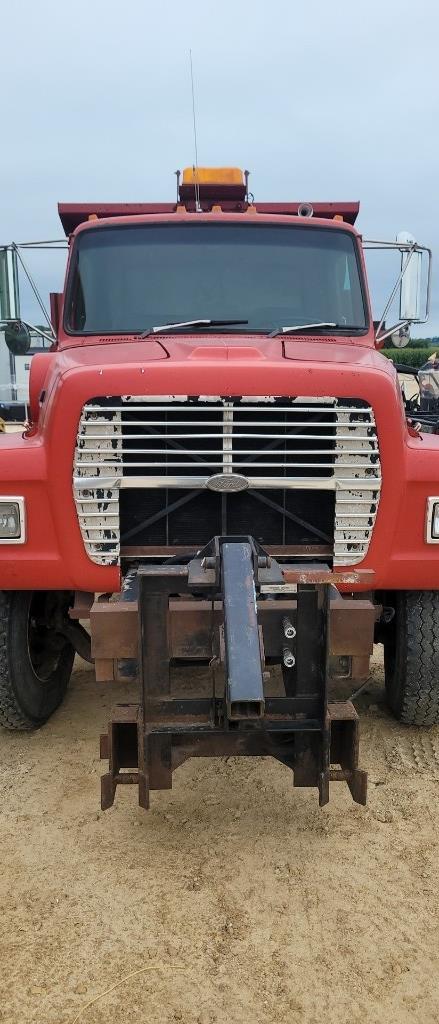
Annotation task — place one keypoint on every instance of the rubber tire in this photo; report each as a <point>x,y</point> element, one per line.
<point>411,657</point>
<point>26,702</point>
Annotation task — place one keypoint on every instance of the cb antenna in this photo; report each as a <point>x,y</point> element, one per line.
<point>195,167</point>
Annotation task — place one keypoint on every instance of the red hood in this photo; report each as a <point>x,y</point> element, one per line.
<point>40,467</point>
<point>219,365</point>
<point>139,360</point>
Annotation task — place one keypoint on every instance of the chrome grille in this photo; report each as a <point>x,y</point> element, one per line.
<point>182,442</point>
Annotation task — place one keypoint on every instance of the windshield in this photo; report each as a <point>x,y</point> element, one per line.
<point>130,278</point>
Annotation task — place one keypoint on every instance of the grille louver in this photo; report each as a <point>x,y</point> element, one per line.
<point>179,443</point>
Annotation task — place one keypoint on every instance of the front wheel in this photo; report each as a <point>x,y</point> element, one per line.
<point>411,656</point>
<point>36,660</point>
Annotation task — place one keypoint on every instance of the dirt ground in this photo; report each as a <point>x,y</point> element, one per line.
<point>241,899</point>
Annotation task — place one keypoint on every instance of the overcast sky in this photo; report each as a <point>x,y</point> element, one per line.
<point>319,100</point>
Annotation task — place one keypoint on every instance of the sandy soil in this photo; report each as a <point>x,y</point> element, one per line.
<point>244,901</point>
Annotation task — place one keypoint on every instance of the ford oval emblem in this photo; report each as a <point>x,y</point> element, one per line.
<point>227,483</point>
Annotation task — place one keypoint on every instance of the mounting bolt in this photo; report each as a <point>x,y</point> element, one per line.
<point>288,658</point>
<point>207,562</point>
<point>289,629</point>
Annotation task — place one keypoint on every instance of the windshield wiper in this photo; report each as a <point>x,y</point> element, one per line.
<point>301,327</point>
<point>191,323</point>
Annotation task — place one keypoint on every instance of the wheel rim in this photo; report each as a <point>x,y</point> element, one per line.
<point>395,655</point>
<point>45,645</point>
<point>390,646</point>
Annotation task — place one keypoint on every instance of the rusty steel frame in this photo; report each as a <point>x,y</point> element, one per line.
<point>114,627</point>
<point>317,740</point>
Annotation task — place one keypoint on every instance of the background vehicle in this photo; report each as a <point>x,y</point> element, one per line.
<point>218,451</point>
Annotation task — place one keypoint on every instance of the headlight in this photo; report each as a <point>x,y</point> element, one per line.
<point>432,521</point>
<point>12,521</point>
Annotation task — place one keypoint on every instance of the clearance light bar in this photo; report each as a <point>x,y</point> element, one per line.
<point>213,176</point>
<point>211,184</point>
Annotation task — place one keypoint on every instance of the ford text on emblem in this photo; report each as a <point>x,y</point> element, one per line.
<point>227,482</point>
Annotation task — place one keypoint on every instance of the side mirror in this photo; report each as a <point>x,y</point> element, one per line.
<point>410,289</point>
<point>401,337</point>
<point>17,338</point>
<point>414,307</point>
<point>9,294</point>
<point>17,334</point>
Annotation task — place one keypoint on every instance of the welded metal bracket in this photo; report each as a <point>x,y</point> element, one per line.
<point>149,759</point>
<point>317,740</point>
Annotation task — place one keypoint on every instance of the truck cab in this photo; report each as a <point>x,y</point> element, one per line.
<point>215,374</point>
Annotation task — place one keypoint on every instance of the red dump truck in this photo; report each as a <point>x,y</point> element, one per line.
<point>219,468</point>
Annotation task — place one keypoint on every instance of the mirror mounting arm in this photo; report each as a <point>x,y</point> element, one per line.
<point>37,330</point>
<point>16,249</point>
<point>409,248</point>
<point>393,294</point>
<point>390,330</point>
